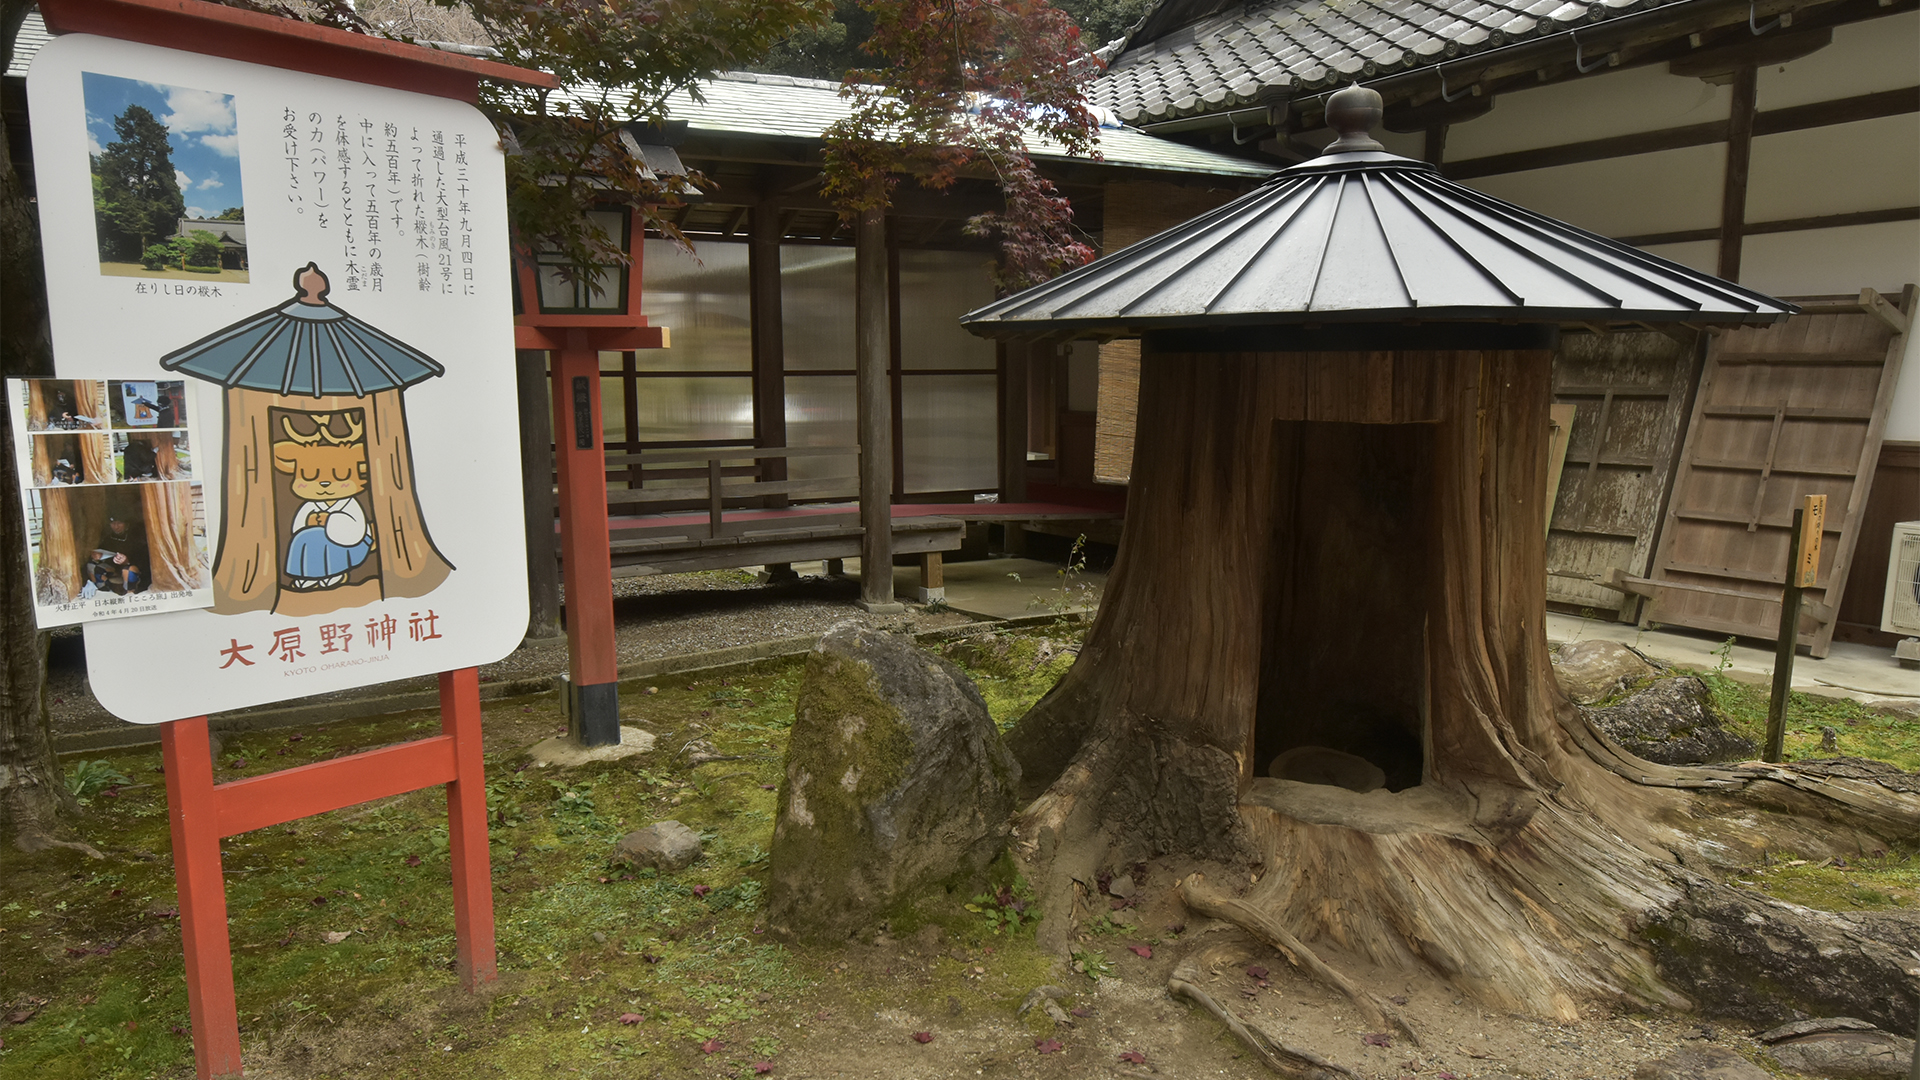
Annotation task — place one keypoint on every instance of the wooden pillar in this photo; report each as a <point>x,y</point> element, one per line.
<point>474,955</point>
<point>536,488</point>
<point>1733,198</point>
<point>1016,360</point>
<point>1434,151</point>
<point>871,349</point>
<point>593,717</point>
<point>769,345</point>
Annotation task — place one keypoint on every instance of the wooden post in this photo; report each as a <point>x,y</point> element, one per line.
<point>594,716</point>
<point>933,578</point>
<point>1733,197</point>
<point>536,487</point>
<point>187,757</point>
<point>871,348</point>
<point>1803,570</point>
<point>474,957</point>
<point>1016,358</point>
<point>769,343</point>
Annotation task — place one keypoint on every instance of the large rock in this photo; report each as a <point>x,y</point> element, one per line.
<point>1591,671</point>
<point>663,845</point>
<point>1843,1048</point>
<point>1672,722</point>
<point>896,782</point>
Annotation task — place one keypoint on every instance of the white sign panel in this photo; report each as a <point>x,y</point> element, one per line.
<point>323,266</point>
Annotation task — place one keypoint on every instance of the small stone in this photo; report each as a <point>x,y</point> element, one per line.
<point>600,936</point>
<point>1591,671</point>
<point>663,845</point>
<point>1121,886</point>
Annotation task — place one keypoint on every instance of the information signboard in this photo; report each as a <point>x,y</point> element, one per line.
<point>324,267</point>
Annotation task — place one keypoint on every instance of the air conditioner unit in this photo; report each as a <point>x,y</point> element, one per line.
<point>1901,612</point>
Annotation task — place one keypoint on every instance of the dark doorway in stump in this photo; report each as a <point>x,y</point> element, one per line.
<point>1343,663</point>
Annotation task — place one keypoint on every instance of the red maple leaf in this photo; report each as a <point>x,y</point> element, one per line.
<point>702,890</point>
<point>1256,972</point>
<point>710,1046</point>
<point>1048,1046</point>
<point>923,1036</point>
<point>1377,1039</point>
<point>1144,952</point>
<point>763,1066</point>
<point>1134,1057</point>
<point>631,1018</point>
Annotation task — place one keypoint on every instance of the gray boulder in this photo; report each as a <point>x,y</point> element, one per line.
<point>1672,722</point>
<point>663,845</point>
<point>1841,1047</point>
<point>1591,671</point>
<point>896,782</point>
<point>1700,1063</point>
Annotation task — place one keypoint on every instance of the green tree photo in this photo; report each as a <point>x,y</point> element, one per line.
<point>139,198</point>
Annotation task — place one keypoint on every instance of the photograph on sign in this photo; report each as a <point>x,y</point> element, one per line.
<point>165,163</point>
<point>351,365</point>
<point>115,526</point>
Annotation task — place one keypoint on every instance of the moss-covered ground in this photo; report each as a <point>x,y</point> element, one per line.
<point>1859,730</point>
<point>604,971</point>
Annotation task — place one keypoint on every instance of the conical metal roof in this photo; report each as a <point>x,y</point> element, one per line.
<point>1361,235</point>
<point>304,346</point>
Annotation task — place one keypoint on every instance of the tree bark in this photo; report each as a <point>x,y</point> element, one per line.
<point>1344,551</point>
<point>33,802</point>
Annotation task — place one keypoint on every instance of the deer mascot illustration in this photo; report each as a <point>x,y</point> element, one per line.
<point>330,531</point>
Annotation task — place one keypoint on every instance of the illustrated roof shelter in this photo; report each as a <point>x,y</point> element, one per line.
<point>1345,379</point>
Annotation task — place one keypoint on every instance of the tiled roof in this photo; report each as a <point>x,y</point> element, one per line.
<point>33,34</point>
<point>1273,51</point>
<point>740,103</point>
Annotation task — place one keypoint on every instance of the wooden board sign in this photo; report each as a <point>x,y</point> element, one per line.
<point>1813,524</point>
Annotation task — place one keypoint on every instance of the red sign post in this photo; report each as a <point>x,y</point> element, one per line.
<point>202,812</point>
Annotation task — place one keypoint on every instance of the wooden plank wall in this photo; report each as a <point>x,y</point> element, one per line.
<point>1632,392</point>
<point>1895,498</point>
<point>1781,412</point>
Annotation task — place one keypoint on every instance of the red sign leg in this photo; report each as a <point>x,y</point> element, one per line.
<point>203,897</point>
<point>467,829</point>
<point>586,559</point>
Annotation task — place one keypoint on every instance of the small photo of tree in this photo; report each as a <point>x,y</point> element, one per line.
<point>166,180</point>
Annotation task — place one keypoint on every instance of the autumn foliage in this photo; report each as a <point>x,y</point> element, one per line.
<point>965,88</point>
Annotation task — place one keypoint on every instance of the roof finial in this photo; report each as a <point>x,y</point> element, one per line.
<point>311,286</point>
<point>1352,114</point>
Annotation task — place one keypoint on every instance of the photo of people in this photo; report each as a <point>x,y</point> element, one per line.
<point>137,404</point>
<point>146,456</point>
<point>70,458</point>
<point>166,173</point>
<point>107,552</point>
<point>65,405</point>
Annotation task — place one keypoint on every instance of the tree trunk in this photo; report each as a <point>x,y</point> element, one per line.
<point>32,799</point>
<point>1341,555</point>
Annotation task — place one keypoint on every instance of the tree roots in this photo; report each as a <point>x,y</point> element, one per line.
<point>1288,1061</point>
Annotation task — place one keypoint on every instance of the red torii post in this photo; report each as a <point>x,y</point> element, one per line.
<point>200,811</point>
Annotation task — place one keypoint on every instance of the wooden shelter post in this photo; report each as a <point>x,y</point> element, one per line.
<point>536,482</point>
<point>593,714</point>
<point>872,349</point>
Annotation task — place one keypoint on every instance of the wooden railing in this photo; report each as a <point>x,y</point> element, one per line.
<point>726,485</point>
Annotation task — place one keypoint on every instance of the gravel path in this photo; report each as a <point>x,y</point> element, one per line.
<point>664,615</point>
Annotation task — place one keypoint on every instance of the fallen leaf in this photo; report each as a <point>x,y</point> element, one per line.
<point>923,1037</point>
<point>710,1046</point>
<point>1256,972</point>
<point>317,901</point>
<point>178,1029</point>
<point>763,1066</point>
<point>1048,1046</point>
<point>1445,1076</point>
<point>1134,1057</point>
<point>1177,928</point>
<point>335,937</point>
<point>702,890</point>
<point>1398,999</point>
<point>1144,952</point>
<point>413,860</point>
<point>133,1025</point>
<point>1081,1011</point>
<point>1377,1039</point>
<point>631,1019</point>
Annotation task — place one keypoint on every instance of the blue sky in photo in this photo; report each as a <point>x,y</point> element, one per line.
<point>201,130</point>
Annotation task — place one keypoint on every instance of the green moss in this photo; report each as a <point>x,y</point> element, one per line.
<point>1860,731</point>
<point>1014,670</point>
<point>1866,884</point>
